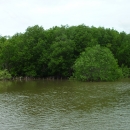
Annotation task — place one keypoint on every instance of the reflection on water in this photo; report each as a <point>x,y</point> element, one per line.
<point>65,105</point>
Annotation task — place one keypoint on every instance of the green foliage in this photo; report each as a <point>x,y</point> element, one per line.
<point>4,74</point>
<point>81,35</point>
<point>61,57</point>
<point>124,54</point>
<point>96,64</point>
<point>125,71</point>
<point>52,52</point>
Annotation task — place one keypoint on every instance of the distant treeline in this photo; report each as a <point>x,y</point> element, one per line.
<point>53,52</point>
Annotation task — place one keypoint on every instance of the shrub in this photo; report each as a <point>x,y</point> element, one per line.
<point>4,74</point>
<point>125,71</point>
<point>96,64</point>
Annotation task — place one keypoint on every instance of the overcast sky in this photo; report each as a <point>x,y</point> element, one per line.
<point>17,15</point>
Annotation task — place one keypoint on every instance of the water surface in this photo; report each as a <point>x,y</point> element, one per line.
<point>64,105</point>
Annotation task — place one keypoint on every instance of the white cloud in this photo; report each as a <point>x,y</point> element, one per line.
<point>16,16</point>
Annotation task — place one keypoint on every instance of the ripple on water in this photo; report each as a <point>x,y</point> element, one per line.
<point>72,107</point>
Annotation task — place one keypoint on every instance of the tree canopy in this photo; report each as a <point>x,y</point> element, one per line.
<point>52,53</point>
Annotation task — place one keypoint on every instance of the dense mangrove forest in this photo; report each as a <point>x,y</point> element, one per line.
<point>81,52</point>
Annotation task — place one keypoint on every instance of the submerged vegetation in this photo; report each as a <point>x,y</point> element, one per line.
<point>86,53</point>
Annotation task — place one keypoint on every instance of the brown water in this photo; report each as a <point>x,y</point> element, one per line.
<point>65,105</point>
